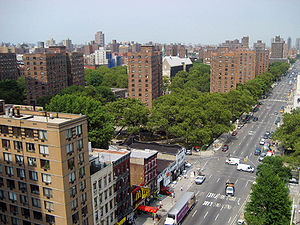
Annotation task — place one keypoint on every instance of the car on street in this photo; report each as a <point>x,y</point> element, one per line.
<point>234,133</point>
<point>245,168</point>
<point>188,152</point>
<point>188,164</point>
<point>262,141</point>
<point>240,222</point>
<point>233,161</point>
<point>275,113</point>
<point>200,179</point>
<point>257,151</point>
<point>266,136</point>
<point>277,120</point>
<point>293,180</point>
<point>262,156</point>
<point>225,148</point>
<point>255,119</point>
<point>251,132</point>
<point>268,132</point>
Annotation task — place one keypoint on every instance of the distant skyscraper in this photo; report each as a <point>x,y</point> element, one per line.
<point>41,44</point>
<point>289,42</point>
<point>68,44</point>
<point>245,42</point>
<point>278,50</point>
<point>298,44</point>
<point>99,39</point>
<point>50,42</point>
<point>145,75</point>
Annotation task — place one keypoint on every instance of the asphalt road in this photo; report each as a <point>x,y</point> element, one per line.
<point>213,207</point>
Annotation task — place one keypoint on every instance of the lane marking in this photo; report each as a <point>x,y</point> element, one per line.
<point>209,176</point>
<point>194,213</point>
<point>197,193</point>
<point>217,216</point>
<point>218,179</point>
<point>236,180</point>
<point>205,214</point>
<point>229,220</point>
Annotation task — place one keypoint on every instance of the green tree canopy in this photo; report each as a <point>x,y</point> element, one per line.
<point>13,91</point>
<point>269,201</point>
<point>100,122</point>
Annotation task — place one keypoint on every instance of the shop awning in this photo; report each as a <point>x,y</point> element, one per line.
<point>148,208</point>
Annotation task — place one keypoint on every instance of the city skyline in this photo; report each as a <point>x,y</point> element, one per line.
<point>163,22</point>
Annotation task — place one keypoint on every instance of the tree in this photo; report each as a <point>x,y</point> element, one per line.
<point>93,77</point>
<point>100,122</point>
<point>275,164</point>
<point>12,91</point>
<point>269,201</point>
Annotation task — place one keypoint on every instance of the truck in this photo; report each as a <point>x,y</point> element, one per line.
<point>181,208</point>
<point>229,189</point>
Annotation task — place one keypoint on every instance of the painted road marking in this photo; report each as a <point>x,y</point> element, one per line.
<point>194,213</point>
<point>217,217</point>
<point>205,214</point>
<point>218,179</point>
<point>197,193</point>
<point>222,197</point>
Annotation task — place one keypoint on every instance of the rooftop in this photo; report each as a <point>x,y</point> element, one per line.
<point>176,61</point>
<point>135,153</point>
<point>110,155</point>
<point>162,164</point>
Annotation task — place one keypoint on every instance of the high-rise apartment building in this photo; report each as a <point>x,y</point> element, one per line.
<point>99,39</point>
<point>298,44</point>
<point>145,75</point>
<point>262,56</point>
<point>45,173</point>
<point>231,67</point>
<point>68,44</point>
<point>48,73</point>
<point>278,50</point>
<point>289,43</point>
<point>245,42</point>
<point>114,46</point>
<point>8,66</point>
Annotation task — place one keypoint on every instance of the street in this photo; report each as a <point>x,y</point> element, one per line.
<point>213,207</point>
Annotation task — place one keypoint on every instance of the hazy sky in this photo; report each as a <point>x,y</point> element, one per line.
<point>164,21</point>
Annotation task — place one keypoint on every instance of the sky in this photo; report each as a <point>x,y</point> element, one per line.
<point>162,21</point>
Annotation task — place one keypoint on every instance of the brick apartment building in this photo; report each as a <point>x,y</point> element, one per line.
<point>231,67</point>
<point>48,73</point>
<point>279,50</point>
<point>262,56</point>
<point>8,66</point>
<point>145,75</point>
<point>45,176</point>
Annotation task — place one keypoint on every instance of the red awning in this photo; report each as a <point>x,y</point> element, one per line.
<point>148,208</point>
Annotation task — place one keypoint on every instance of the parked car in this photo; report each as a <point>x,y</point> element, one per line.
<point>262,156</point>
<point>225,148</point>
<point>257,151</point>
<point>262,141</point>
<point>188,164</point>
<point>188,152</point>
<point>255,119</point>
<point>200,179</point>
<point>234,133</point>
<point>233,161</point>
<point>245,167</point>
<point>293,180</point>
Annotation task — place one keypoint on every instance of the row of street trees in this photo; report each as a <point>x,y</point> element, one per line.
<point>269,199</point>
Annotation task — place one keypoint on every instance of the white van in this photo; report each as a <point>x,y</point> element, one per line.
<point>233,161</point>
<point>245,167</point>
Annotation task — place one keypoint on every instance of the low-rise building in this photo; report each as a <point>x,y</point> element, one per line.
<point>174,64</point>
<point>165,169</point>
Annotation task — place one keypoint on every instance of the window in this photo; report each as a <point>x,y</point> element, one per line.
<point>25,212</point>
<point>18,145</point>
<point>48,205</point>
<point>69,133</point>
<point>36,202</point>
<point>47,192</point>
<point>12,196</point>
<point>20,159</point>
<point>71,163</point>
<point>79,144</point>
<point>74,203</point>
<point>34,189</point>
<point>16,131</point>
<point>37,215</point>
<point>15,221</point>
<point>82,185</point>
<point>96,202</point>
<point>5,143</point>
<point>24,199</point>
<point>9,170</point>
<point>69,148</point>
<point>83,198</point>
<point>22,186</point>
<point>44,149</point>
<point>50,219</point>
<point>80,158</point>
<point>84,211</point>
<point>78,130</point>
<point>31,161</point>
<point>75,218</point>
<point>21,173</point>
<point>2,195</point>
<point>45,164</point>
<point>29,133</point>
<point>10,184</point>
<point>43,135</point>
<point>100,183</point>
<point>72,177</point>
<point>7,157</point>
<point>81,172</point>
<point>30,147</point>
<point>46,178</point>
<point>105,181</point>
<point>4,129</point>
<point>33,175</point>
<point>73,191</point>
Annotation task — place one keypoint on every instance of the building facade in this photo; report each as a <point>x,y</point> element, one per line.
<point>8,66</point>
<point>99,39</point>
<point>145,75</point>
<point>231,67</point>
<point>262,57</point>
<point>45,168</point>
<point>279,50</point>
<point>174,64</point>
